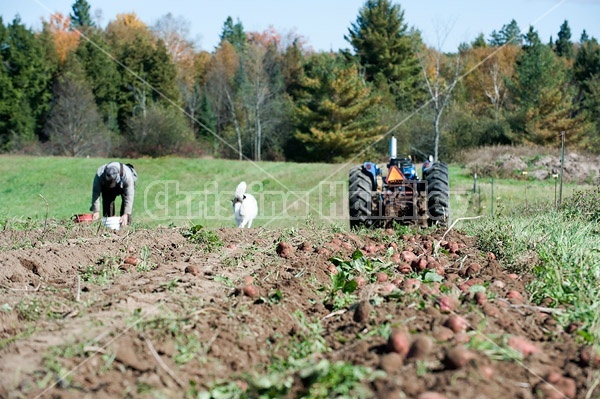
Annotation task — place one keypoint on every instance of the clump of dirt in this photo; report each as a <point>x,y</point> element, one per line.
<point>533,162</point>
<point>140,313</point>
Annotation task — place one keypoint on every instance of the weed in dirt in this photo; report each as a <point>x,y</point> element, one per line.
<point>104,272</point>
<point>33,309</point>
<point>226,281</point>
<point>146,264</point>
<point>55,370</point>
<point>319,380</point>
<point>494,347</point>
<point>170,285</point>
<point>188,347</point>
<point>208,240</point>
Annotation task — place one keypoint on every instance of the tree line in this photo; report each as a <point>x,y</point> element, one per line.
<point>134,90</point>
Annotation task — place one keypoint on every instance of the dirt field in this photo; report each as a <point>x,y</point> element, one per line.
<point>79,320</point>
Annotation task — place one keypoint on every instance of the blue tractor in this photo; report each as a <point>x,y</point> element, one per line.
<point>400,196</point>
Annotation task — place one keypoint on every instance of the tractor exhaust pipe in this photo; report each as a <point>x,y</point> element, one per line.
<point>393,148</point>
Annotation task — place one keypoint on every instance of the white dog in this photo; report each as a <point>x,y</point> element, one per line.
<point>245,207</point>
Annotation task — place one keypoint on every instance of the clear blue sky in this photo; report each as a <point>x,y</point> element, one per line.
<point>325,22</point>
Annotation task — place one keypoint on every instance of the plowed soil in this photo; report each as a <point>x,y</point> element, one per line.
<point>78,319</point>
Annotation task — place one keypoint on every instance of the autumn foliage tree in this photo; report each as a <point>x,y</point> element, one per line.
<point>65,39</point>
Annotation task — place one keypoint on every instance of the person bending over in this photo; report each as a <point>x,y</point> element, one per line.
<point>112,180</point>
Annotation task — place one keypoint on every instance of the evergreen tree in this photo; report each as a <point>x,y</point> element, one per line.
<point>234,33</point>
<point>102,76</point>
<point>29,67</point>
<point>479,42</point>
<point>510,33</point>
<point>587,61</point>
<point>586,74</point>
<point>564,46</point>
<point>336,115</point>
<point>384,47</point>
<point>149,74</point>
<point>8,107</point>
<point>540,96</point>
<point>80,17</point>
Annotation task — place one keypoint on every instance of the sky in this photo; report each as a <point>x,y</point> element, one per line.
<point>444,24</point>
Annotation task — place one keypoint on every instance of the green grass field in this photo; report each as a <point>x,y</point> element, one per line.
<point>178,191</point>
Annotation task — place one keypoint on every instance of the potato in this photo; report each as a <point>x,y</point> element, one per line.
<point>457,357</point>
<point>408,256</point>
<point>419,264</point>
<point>360,281</point>
<point>391,362</point>
<point>387,287</point>
<point>411,285</point>
<point>131,260</point>
<point>442,334</point>
<point>332,269</point>
<point>523,345</point>
<point>397,281</point>
<point>472,270</point>
<point>284,249</point>
<point>480,298</point>
<point>431,395</point>
<point>347,245</point>
<point>192,269</point>
<point>399,342</point>
<point>515,297</point>
<point>381,277</point>
<point>487,371</point>
<point>563,388</point>
<point>248,280</point>
<point>305,246</point>
<point>590,357</point>
<point>251,291</point>
<point>362,312</point>
<point>448,303</point>
<point>490,310</point>
<point>498,284</point>
<point>456,323</point>
<point>404,268</point>
<point>420,348</point>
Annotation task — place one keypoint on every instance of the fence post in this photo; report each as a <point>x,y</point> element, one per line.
<point>492,207</point>
<point>562,164</point>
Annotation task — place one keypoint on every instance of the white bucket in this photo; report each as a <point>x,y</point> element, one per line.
<point>112,222</point>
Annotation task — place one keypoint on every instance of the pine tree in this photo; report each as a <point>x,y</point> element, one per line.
<point>80,17</point>
<point>234,33</point>
<point>384,47</point>
<point>29,67</point>
<point>540,96</point>
<point>510,33</point>
<point>336,114</point>
<point>564,46</point>
<point>102,75</point>
<point>149,76</point>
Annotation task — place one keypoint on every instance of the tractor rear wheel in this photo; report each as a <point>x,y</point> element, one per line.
<point>360,199</point>
<point>438,193</point>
